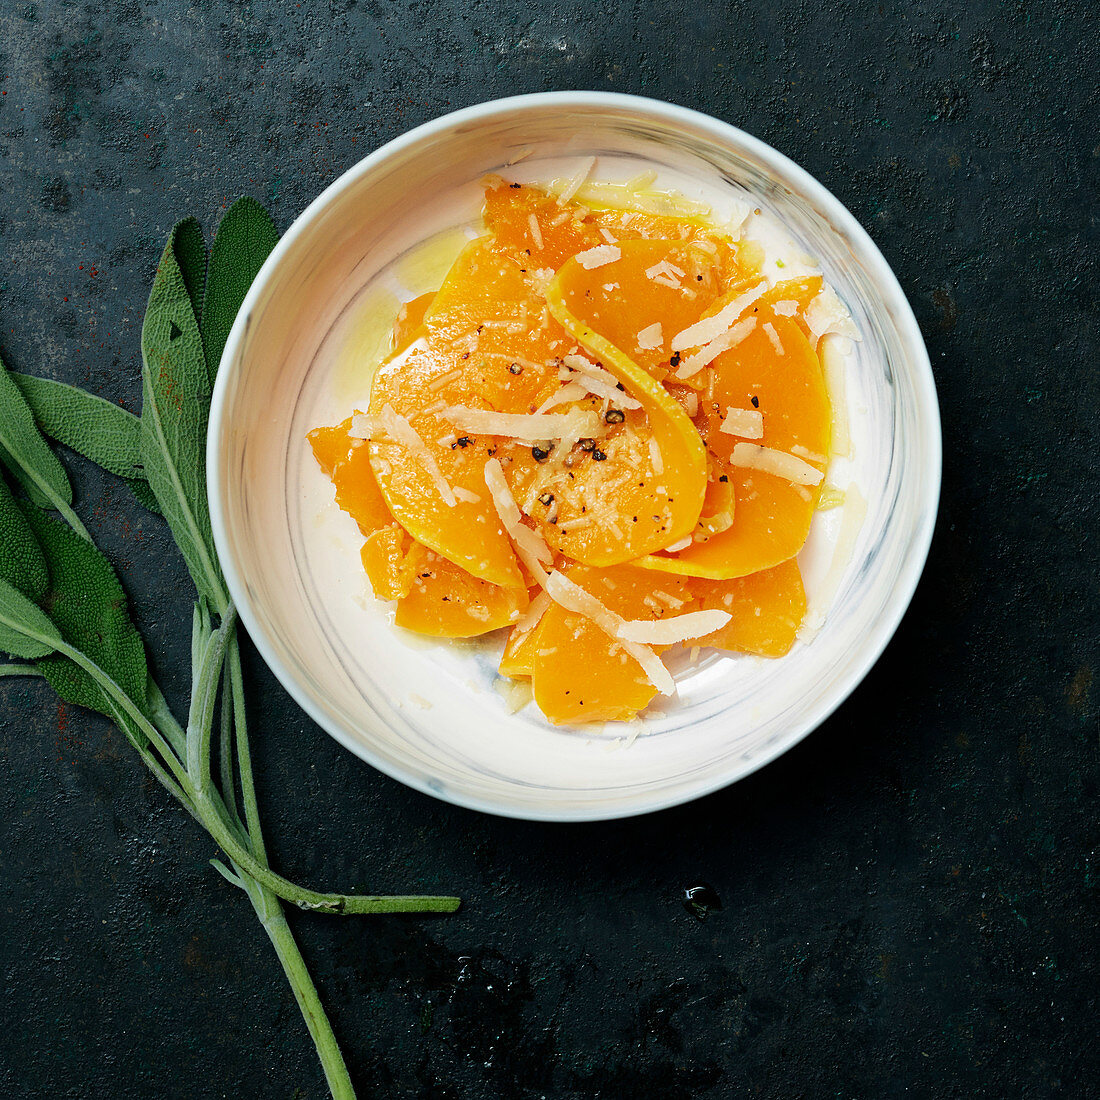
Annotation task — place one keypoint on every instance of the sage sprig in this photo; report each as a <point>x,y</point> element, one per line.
<point>65,616</point>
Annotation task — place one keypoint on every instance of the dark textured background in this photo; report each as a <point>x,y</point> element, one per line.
<point>910,896</point>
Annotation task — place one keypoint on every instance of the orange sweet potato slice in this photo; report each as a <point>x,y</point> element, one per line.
<point>582,675</point>
<point>330,445</point>
<point>518,659</point>
<point>667,503</point>
<point>772,517</point>
<point>445,601</point>
<point>347,462</point>
<point>385,557</point>
<point>766,610</point>
<point>619,300</point>
<point>526,221</point>
<point>467,532</point>
<point>802,290</point>
<point>409,323</point>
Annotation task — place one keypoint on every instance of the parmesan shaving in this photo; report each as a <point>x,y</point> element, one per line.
<point>678,545</point>
<point>651,337</point>
<point>773,336</point>
<point>836,384</point>
<point>533,615</point>
<point>702,332</point>
<point>746,423</point>
<point>664,272</point>
<point>601,382</point>
<point>786,308</point>
<point>787,466</point>
<point>533,427</point>
<point>515,693</point>
<point>610,392</point>
<point>572,597</point>
<point>445,379</point>
<point>536,232</point>
<point>827,313</point>
<point>399,430</point>
<point>673,629</point>
<point>851,522</point>
<point>693,364</point>
<point>578,181</point>
<point>655,458</point>
<point>599,256</point>
<point>573,391</point>
<point>807,454</point>
<point>466,495</point>
<point>530,547</point>
<point>608,236</point>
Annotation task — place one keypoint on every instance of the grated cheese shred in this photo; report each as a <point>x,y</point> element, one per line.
<point>398,429</point>
<point>572,597</point>
<point>702,332</point>
<point>529,427</point>
<point>673,629</point>
<point>599,256</point>
<point>651,337</point>
<point>746,423</point>
<point>771,461</point>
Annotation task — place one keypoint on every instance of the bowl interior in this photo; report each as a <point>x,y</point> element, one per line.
<point>427,712</point>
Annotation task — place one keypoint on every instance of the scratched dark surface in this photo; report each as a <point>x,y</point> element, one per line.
<point>909,898</point>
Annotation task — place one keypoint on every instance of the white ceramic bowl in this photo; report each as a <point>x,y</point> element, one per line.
<point>426,712</point>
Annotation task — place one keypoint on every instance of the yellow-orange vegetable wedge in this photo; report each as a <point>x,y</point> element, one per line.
<point>466,531</point>
<point>654,508</point>
<point>579,673</point>
<point>766,610</point>
<point>772,515</point>
<point>445,601</point>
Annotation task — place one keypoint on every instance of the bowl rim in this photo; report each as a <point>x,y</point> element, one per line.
<point>881,632</point>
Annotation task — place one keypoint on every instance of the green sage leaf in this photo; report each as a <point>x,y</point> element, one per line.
<point>25,629</point>
<point>22,563</point>
<point>174,415</point>
<point>89,608</point>
<point>140,488</point>
<point>25,452</point>
<point>243,241</point>
<point>97,429</point>
<point>190,252</point>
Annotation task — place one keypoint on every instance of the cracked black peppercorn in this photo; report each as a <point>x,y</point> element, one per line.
<point>586,444</point>
<point>675,360</point>
<point>546,499</point>
<point>755,401</point>
<point>539,455</point>
<point>515,368</point>
<point>614,416</point>
<point>598,456</point>
<point>461,441</point>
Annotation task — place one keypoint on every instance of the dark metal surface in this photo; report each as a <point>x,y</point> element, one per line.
<point>908,899</point>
